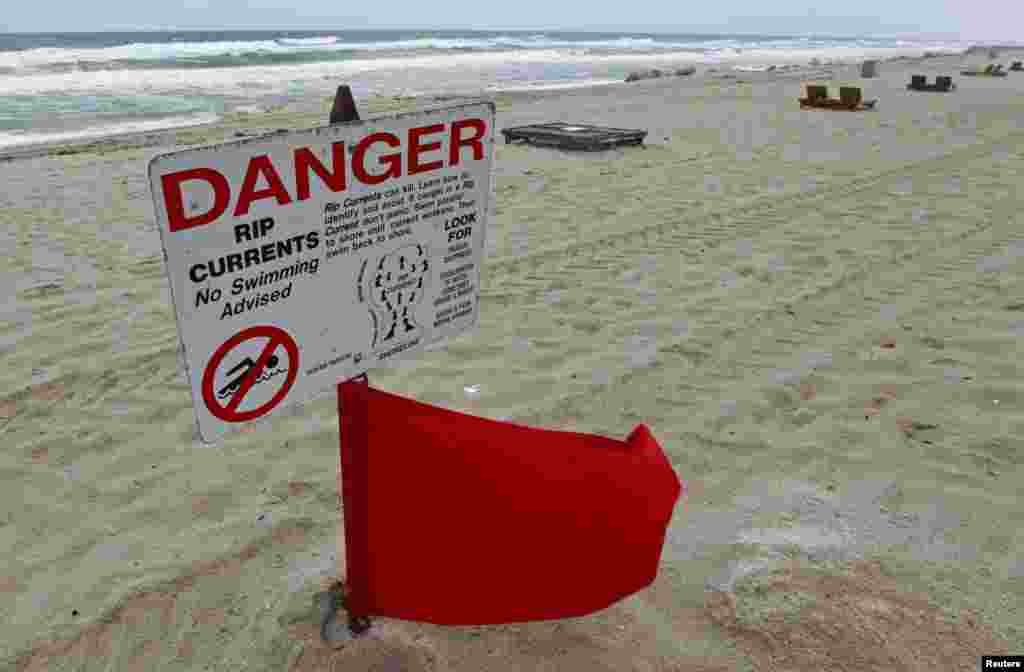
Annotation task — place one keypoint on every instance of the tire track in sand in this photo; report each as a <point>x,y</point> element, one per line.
<point>716,232</point>
<point>618,314</point>
<point>675,393</point>
<point>711,367</point>
<point>152,267</point>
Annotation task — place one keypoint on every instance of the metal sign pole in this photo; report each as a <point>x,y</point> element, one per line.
<point>352,454</point>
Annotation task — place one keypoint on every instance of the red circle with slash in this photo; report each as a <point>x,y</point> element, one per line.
<point>230,412</point>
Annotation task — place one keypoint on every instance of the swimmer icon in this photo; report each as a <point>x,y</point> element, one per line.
<point>247,364</point>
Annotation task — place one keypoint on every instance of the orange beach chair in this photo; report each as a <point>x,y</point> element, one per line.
<point>850,99</point>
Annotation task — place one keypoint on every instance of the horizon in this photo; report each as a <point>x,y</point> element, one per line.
<point>916,19</point>
<point>625,30</point>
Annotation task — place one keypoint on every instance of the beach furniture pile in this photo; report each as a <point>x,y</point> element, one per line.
<point>920,83</point>
<point>1016,66</point>
<point>573,136</point>
<point>849,99</point>
<point>989,71</point>
<point>655,73</point>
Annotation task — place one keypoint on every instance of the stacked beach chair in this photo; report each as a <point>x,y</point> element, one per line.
<point>920,83</point>
<point>849,99</point>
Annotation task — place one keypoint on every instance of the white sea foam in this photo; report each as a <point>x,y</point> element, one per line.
<point>276,78</point>
<point>171,51</point>
<point>308,41</point>
<point>12,140</point>
<point>36,58</point>
<point>546,86</point>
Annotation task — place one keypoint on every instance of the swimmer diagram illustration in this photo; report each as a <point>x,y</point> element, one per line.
<point>392,286</point>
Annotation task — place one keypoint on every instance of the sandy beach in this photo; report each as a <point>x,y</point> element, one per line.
<point>817,313</point>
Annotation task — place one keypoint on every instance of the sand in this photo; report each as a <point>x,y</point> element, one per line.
<point>817,313</point>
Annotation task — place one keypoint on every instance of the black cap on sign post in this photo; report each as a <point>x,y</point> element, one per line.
<point>344,108</point>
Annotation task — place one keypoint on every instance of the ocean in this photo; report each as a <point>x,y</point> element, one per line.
<point>57,87</point>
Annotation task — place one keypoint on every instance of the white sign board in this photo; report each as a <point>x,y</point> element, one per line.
<point>303,259</point>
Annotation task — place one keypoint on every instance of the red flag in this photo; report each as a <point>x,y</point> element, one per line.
<point>458,520</point>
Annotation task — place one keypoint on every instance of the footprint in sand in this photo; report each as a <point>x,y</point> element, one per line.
<point>874,405</point>
<point>8,409</point>
<point>816,360</point>
<point>888,312</point>
<point>954,375</point>
<point>729,279</point>
<point>903,187</point>
<point>993,264</point>
<point>784,376</point>
<point>712,184</point>
<point>887,343</point>
<point>775,264</point>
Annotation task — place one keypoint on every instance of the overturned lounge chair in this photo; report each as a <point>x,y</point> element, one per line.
<point>573,136</point>
<point>849,99</point>
<point>920,83</point>
<point>989,71</point>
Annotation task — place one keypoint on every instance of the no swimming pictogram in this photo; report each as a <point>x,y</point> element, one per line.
<point>233,363</point>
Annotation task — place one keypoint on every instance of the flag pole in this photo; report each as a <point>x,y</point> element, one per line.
<point>354,430</point>
<point>352,424</point>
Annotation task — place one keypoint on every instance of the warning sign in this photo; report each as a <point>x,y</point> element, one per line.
<point>297,260</point>
<point>237,370</point>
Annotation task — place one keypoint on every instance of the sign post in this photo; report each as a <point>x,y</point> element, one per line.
<point>353,450</point>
